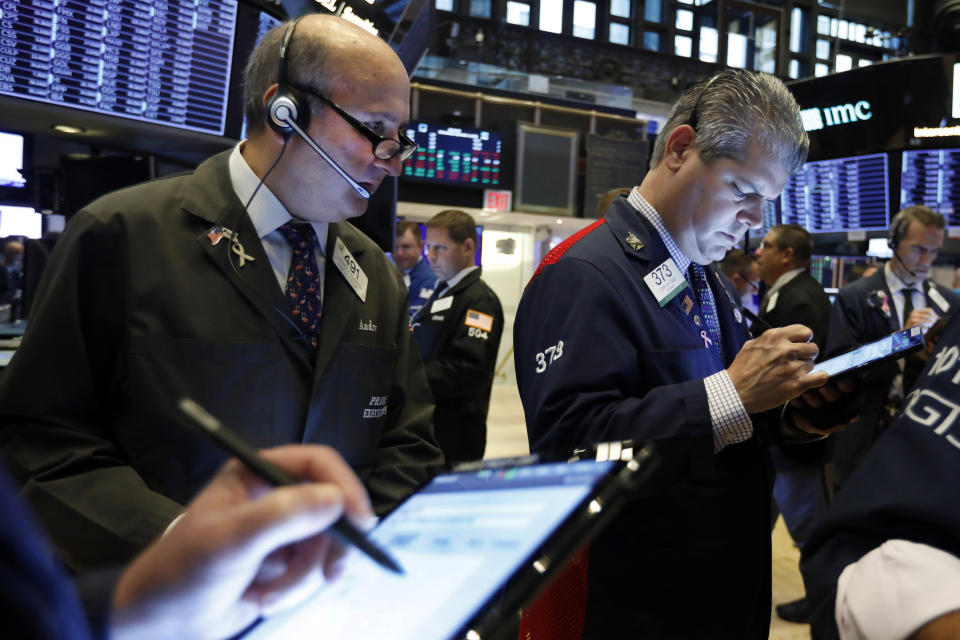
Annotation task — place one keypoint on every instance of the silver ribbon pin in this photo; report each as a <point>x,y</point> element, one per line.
<point>237,248</point>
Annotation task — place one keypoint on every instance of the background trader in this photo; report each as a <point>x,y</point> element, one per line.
<point>417,274</point>
<point>898,296</point>
<point>228,284</point>
<point>794,297</point>
<point>626,332</point>
<point>458,331</point>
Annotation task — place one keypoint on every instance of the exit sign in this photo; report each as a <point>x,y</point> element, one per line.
<point>494,200</point>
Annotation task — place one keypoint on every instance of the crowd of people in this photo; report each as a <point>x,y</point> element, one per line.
<point>242,285</point>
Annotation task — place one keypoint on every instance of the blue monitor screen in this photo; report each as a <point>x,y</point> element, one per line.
<point>929,177</point>
<point>841,194</point>
<point>454,155</point>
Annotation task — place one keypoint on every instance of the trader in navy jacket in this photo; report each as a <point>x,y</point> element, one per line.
<point>417,274</point>
<point>626,332</point>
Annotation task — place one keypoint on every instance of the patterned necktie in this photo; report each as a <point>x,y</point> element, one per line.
<point>303,280</point>
<point>698,277</point>
<point>907,304</point>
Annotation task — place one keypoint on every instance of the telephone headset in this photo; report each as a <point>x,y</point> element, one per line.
<point>897,230</point>
<point>288,112</point>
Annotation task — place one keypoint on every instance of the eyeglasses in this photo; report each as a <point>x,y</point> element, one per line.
<point>383,148</point>
<point>694,118</point>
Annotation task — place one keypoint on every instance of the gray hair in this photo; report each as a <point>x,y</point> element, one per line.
<point>732,108</point>
<point>306,59</point>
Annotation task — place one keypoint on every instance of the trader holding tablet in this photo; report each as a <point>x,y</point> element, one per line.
<point>898,296</point>
<point>626,332</point>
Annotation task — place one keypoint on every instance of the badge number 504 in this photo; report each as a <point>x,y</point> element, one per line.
<point>548,356</point>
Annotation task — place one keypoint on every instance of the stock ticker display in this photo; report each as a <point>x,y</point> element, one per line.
<point>161,61</point>
<point>929,177</point>
<point>454,155</point>
<point>841,194</point>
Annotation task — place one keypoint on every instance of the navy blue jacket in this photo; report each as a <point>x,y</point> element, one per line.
<point>422,283</point>
<point>599,360</point>
<point>905,488</point>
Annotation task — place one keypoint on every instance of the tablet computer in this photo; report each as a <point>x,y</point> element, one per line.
<point>475,546</point>
<point>895,345</point>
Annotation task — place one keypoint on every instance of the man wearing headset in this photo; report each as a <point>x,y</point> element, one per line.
<point>239,285</point>
<point>899,296</point>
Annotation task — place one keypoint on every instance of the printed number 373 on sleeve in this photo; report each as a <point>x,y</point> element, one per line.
<point>548,356</point>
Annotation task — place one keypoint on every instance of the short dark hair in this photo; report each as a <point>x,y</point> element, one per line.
<point>795,237</point>
<point>458,224</point>
<point>409,225</point>
<point>737,261</point>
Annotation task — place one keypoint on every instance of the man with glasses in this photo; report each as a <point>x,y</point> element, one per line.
<point>794,296</point>
<point>899,296</point>
<point>743,273</point>
<point>240,285</point>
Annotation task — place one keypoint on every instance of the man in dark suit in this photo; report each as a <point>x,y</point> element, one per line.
<point>238,286</point>
<point>458,331</point>
<point>794,297</point>
<point>625,332</point>
<point>899,296</point>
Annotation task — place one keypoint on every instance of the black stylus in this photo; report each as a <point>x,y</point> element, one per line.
<point>342,528</point>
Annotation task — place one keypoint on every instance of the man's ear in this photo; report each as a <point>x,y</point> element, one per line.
<point>680,140</point>
<point>470,244</point>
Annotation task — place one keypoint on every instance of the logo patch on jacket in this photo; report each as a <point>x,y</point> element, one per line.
<point>479,320</point>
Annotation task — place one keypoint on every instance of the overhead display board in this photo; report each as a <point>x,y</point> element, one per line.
<point>161,61</point>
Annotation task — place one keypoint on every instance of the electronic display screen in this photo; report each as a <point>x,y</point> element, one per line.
<point>161,61</point>
<point>11,160</point>
<point>841,194</point>
<point>930,177</point>
<point>459,540</point>
<point>454,155</point>
<point>895,345</point>
<point>20,221</point>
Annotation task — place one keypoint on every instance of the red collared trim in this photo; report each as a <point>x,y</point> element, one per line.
<point>553,256</point>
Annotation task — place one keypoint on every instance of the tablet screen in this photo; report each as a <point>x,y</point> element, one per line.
<point>898,342</point>
<point>458,539</point>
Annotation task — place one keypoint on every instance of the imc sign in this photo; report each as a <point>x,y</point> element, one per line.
<point>816,118</point>
<point>496,200</point>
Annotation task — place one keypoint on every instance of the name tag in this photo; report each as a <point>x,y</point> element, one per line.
<point>938,299</point>
<point>441,304</point>
<point>350,270</point>
<point>426,293</point>
<point>665,281</point>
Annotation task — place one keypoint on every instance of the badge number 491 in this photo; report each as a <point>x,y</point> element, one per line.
<point>548,356</point>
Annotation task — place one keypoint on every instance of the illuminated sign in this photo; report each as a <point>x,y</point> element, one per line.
<point>936,132</point>
<point>346,12</point>
<point>956,90</point>
<point>816,118</point>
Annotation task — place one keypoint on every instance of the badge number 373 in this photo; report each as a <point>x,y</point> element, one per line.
<point>547,357</point>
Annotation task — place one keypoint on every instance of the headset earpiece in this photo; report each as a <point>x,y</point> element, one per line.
<point>286,103</point>
<point>896,231</point>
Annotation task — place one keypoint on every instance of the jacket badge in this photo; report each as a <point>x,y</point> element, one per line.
<point>687,305</point>
<point>878,300</point>
<point>634,242</point>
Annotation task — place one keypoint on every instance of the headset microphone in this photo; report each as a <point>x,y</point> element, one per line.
<point>281,113</point>
<point>904,265</point>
